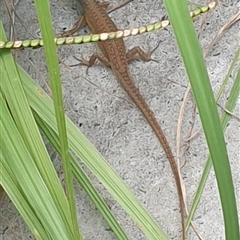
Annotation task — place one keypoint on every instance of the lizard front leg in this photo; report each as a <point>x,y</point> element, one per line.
<point>81,20</point>
<point>103,4</point>
<point>76,27</point>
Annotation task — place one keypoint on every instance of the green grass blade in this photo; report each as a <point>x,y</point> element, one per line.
<point>42,105</point>
<point>43,218</point>
<point>84,181</point>
<point>21,204</point>
<point>43,13</point>
<point>194,63</point>
<point>16,99</point>
<point>231,102</point>
<point>230,71</point>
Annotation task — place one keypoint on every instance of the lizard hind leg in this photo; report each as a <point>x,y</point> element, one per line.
<point>138,53</point>
<point>89,63</point>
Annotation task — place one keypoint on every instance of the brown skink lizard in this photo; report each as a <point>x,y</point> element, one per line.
<point>115,56</point>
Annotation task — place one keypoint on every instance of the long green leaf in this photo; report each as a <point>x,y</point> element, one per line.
<point>84,182</point>
<point>43,13</point>
<point>27,185</point>
<point>43,106</point>
<point>11,88</point>
<point>194,63</point>
<point>22,204</point>
<point>231,102</point>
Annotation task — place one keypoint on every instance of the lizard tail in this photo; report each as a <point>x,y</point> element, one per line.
<point>137,98</point>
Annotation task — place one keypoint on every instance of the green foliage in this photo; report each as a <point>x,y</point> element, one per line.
<point>189,47</point>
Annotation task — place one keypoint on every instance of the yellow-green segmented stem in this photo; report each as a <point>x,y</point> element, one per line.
<point>35,43</point>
